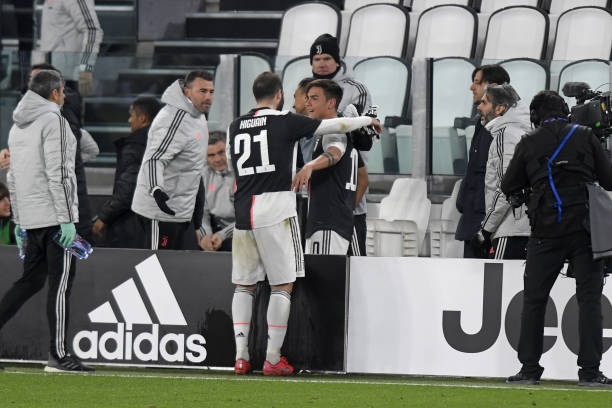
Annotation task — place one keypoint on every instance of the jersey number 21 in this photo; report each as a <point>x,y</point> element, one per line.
<point>242,148</point>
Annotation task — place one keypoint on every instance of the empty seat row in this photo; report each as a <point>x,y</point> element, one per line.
<point>449,30</point>
<point>484,6</point>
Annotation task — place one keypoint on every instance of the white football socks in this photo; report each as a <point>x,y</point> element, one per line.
<point>278,315</point>
<point>242,310</point>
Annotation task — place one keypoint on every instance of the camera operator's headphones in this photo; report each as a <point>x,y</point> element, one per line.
<point>549,99</point>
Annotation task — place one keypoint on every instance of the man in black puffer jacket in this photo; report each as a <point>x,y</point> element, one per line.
<point>122,227</point>
<point>555,162</point>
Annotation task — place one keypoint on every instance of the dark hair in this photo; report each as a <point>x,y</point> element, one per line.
<point>503,95</point>
<point>304,84</point>
<point>266,85</point>
<point>45,81</point>
<point>492,74</point>
<point>547,104</point>
<point>191,76</point>
<point>3,191</point>
<point>147,105</point>
<point>216,137</point>
<point>330,89</point>
<point>44,65</point>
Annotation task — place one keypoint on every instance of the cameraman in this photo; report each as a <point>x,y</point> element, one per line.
<point>558,215</point>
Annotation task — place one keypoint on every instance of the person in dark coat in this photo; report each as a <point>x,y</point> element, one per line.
<point>122,227</point>
<point>550,170</point>
<point>471,197</point>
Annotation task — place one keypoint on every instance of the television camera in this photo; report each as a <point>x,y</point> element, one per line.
<point>592,107</point>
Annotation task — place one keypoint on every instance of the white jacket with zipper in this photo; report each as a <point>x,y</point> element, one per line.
<point>174,158</point>
<point>507,131</point>
<point>41,180</point>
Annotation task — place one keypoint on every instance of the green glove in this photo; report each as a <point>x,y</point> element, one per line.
<point>18,239</point>
<point>68,234</point>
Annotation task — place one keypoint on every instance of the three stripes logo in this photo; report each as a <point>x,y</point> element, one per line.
<point>129,342</point>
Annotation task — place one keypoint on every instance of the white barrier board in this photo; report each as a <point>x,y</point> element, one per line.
<point>424,316</point>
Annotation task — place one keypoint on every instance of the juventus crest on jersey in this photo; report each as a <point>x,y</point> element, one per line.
<point>262,148</point>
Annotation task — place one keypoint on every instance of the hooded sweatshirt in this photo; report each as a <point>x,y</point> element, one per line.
<point>506,130</point>
<point>41,180</point>
<point>174,158</point>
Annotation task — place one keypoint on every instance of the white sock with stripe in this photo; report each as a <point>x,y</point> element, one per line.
<point>278,315</point>
<point>242,310</point>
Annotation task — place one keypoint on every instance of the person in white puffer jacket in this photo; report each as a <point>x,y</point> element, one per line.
<point>504,230</point>
<point>43,189</point>
<point>167,189</point>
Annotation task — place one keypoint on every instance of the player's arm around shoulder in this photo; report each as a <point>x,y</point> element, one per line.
<point>334,146</point>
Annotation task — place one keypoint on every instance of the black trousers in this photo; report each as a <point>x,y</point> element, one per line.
<point>164,235</point>
<point>44,260</point>
<point>545,257</point>
<point>509,248</point>
<point>357,246</point>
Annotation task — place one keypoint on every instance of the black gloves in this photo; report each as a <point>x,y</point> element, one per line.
<point>160,199</point>
<point>481,243</point>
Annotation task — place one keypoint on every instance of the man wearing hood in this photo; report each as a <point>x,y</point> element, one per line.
<point>504,230</point>
<point>42,184</point>
<point>326,64</point>
<point>122,227</point>
<point>169,181</point>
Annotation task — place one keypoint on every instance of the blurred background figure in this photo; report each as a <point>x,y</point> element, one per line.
<point>7,236</point>
<point>70,37</point>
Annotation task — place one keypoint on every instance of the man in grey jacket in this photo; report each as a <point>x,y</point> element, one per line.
<point>42,185</point>
<point>71,34</point>
<point>219,218</point>
<point>170,175</point>
<point>504,230</point>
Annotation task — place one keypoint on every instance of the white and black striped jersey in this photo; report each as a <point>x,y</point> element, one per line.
<point>262,148</point>
<point>333,190</point>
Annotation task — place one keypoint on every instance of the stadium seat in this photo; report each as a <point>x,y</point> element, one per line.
<point>583,33</point>
<point>422,5</point>
<point>378,29</point>
<point>490,6</point>
<point>442,231</point>
<point>527,76</point>
<point>451,98</point>
<point>352,5</point>
<point>301,25</point>
<point>391,97</point>
<point>294,71</point>
<point>516,32</point>
<point>594,72</point>
<point>223,111</point>
<point>446,31</point>
<point>561,6</point>
<point>249,66</point>
<point>402,223</point>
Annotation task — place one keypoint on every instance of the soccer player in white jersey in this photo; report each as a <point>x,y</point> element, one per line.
<point>266,242</point>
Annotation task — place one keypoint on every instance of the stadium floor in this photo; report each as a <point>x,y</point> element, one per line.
<point>27,386</point>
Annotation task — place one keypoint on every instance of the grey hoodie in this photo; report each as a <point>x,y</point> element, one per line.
<point>173,159</point>
<point>506,130</point>
<point>41,179</point>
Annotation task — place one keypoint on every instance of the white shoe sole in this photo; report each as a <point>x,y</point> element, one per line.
<point>49,369</point>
